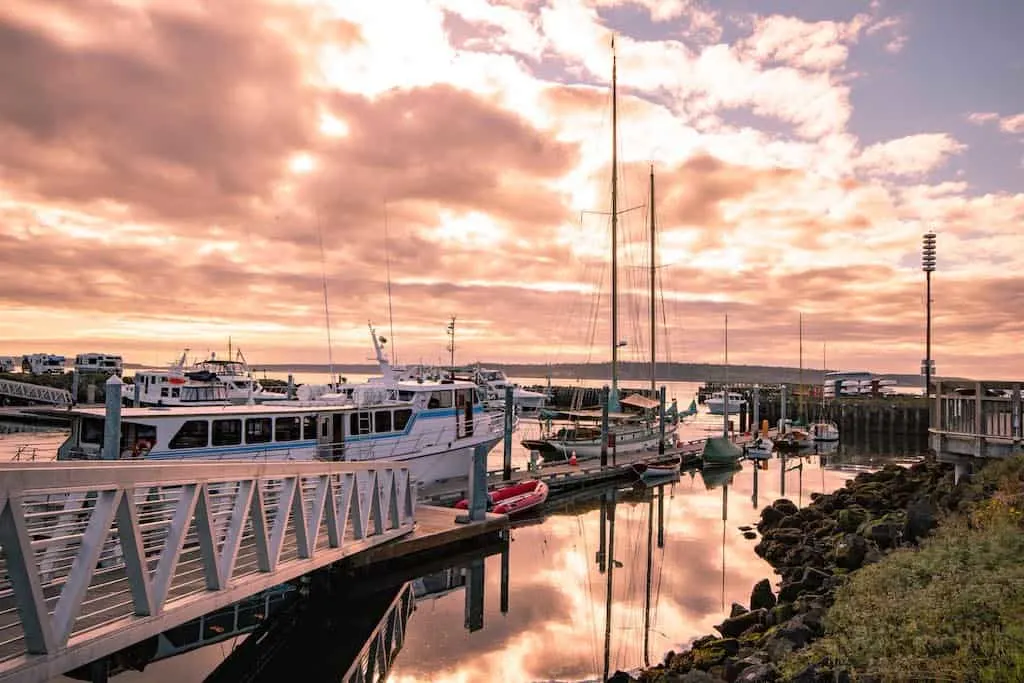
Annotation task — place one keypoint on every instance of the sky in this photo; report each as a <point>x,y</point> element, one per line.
<point>177,172</point>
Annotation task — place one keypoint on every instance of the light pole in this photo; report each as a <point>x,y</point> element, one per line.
<point>928,266</point>
<point>451,344</point>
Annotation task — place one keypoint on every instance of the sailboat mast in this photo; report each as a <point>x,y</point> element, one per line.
<point>613,399</point>
<point>801,366</point>
<point>725,388</point>
<point>654,358</point>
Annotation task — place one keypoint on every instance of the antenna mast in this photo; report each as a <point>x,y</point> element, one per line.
<point>451,344</point>
<point>387,266</point>
<point>327,310</point>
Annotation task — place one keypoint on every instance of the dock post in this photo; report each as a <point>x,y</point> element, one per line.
<point>604,426</point>
<point>506,472</point>
<point>74,386</point>
<point>504,573</point>
<point>661,420</point>
<point>112,423</point>
<point>477,485</point>
<point>756,401</point>
<point>137,399</point>
<point>475,595</point>
<point>782,407</point>
<point>291,385</point>
<point>753,497</point>
<point>782,475</point>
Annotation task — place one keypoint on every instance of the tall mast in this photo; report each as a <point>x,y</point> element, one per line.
<point>801,365</point>
<point>613,398</point>
<point>654,358</point>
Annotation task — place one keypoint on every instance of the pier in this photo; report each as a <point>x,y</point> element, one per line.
<point>976,420</point>
<point>100,555</point>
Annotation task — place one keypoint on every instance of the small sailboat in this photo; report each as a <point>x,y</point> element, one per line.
<point>658,470</point>
<point>513,499</point>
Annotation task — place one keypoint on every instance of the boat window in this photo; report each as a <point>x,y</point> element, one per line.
<point>382,421</point>
<point>405,395</point>
<point>287,429</point>
<point>163,392</point>
<point>308,427</point>
<point>257,430</point>
<point>175,392</point>
<point>402,416</point>
<point>193,434</point>
<point>359,423</point>
<point>227,432</point>
<point>460,398</point>
<point>440,399</point>
<point>92,430</point>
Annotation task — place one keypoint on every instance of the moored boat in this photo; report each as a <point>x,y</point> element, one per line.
<point>720,452</point>
<point>760,448</point>
<point>824,431</point>
<point>658,469</point>
<point>513,499</point>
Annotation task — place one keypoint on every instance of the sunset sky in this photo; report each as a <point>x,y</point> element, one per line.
<point>168,169</point>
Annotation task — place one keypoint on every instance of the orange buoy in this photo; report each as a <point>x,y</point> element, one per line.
<point>572,459</point>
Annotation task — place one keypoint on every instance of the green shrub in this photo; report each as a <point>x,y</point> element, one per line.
<point>952,610</point>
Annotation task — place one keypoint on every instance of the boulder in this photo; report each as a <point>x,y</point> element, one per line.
<point>733,627</point>
<point>785,506</point>
<point>759,673</point>
<point>737,610</point>
<point>762,597</point>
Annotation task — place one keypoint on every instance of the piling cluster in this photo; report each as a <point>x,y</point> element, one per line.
<point>814,550</point>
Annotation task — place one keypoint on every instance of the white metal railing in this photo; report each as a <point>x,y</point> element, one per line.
<point>98,555</point>
<point>373,662</point>
<point>990,410</point>
<point>35,392</point>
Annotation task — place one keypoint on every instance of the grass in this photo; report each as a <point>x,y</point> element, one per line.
<point>951,610</point>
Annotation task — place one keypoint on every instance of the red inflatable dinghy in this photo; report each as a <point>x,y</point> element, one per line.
<point>513,498</point>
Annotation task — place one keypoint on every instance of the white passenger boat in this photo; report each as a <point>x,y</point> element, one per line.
<point>431,427</point>
<point>717,404</point>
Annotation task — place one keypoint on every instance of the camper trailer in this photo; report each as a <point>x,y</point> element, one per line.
<point>43,364</point>
<point>104,363</point>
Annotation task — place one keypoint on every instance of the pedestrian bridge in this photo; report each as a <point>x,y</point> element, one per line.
<point>36,393</point>
<point>98,555</point>
<point>976,420</point>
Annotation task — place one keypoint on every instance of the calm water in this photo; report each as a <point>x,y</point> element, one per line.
<point>555,625</point>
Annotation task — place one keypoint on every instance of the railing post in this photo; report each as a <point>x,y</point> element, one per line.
<point>112,423</point>
<point>979,421</point>
<point>1016,404</point>
<point>936,413</point>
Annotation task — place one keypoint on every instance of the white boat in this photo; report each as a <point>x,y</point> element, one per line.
<point>174,387</point>
<point>431,427</point>
<point>716,403</point>
<point>100,363</point>
<point>627,431</point>
<point>824,431</point>
<point>845,383</point>
<point>494,382</point>
<point>760,448</point>
<point>241,386</point>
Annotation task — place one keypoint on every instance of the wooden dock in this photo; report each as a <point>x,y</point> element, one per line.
<point>435,529</point>
<point>563,479</point>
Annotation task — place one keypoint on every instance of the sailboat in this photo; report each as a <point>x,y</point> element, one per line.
<point>721,451</point>
<point>824,431</point>
<point>627,431</point>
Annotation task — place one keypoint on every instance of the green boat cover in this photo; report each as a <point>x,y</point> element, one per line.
<point>720,451</point>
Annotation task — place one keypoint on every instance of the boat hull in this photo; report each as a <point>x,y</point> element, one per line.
<point>717,407</point>
<point>623,442</point>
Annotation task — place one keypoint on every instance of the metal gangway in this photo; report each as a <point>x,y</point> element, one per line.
<point>96,556</point>
<point>36,393</point>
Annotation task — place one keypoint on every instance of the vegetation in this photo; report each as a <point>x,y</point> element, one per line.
<point>950,610</point>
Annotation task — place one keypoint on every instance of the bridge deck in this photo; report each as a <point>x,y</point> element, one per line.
<point>96,556</point>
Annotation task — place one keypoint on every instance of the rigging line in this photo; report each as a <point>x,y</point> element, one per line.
<point>387,270</point>
<point>327,310</point>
